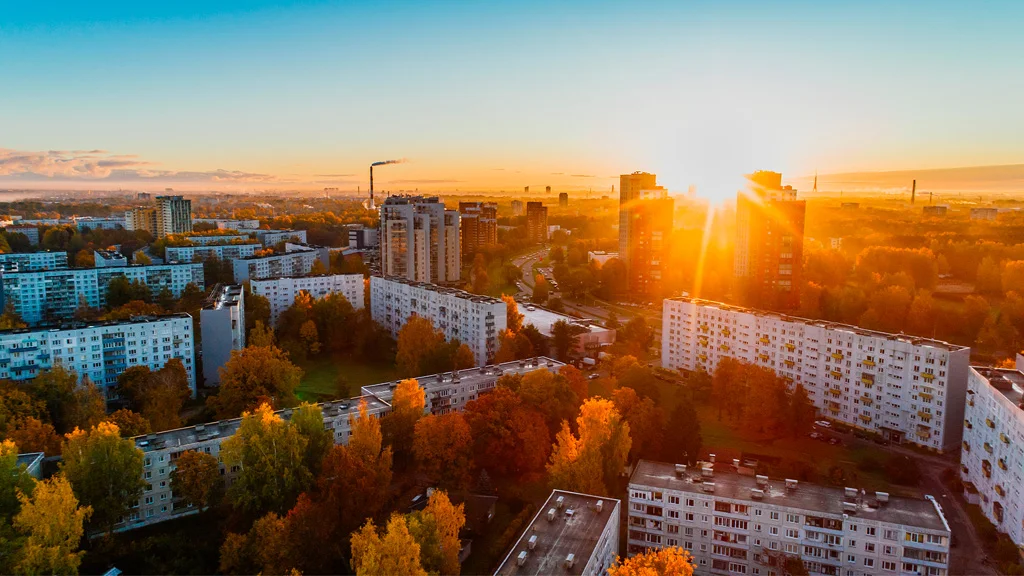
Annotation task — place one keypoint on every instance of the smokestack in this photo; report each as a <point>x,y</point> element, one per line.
<point>381,163</point>
<point>913,192</point>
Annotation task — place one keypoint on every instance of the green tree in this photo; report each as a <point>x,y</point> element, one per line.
<point>14,479</point>
<point>69,404</point>
<point>105,471</point>
<point>53,523</point>
<point>564,338</point>
<point>308,419</point>
<point>682,435</point>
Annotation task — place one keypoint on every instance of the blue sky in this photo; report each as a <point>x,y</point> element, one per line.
<point>502,95</point>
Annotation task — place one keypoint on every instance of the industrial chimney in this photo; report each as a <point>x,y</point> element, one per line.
<point>913,192</point>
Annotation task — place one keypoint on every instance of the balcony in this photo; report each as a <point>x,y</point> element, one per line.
<point>790,363</point>
<point>924,433</point>
<point>726,332</point>
<point>867,381</point>
<point>704,328</point>
<point>1000,491</point>
<point>764,340</point>
<point>865,418</point>
<point>927,417</point>
<point>837,356</point>
<point>1004,438</point>
<point>987,447</point>
<point>790,346</point>
<point>836,374</point>
<point>990,423</point>
<point>869,363</point>
<point>927,396</point>
<point>835,392</point>
<point>967,424</point>
<point>866,400</point>
<point>928,376</point>
<point>833,407</point>
<point>724,347</point>
<point>702,357</point>
<point>763,357</point>
<point>967,447</point>
<point>1002,464</point>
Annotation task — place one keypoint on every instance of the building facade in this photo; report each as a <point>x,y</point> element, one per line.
<point>905,388</point>
<point>36,261</point>
<point>229,223</point>
<point>99,351</point>
<point>363,238</point>
<point>517,207</point>
<point>472,319</point>
<point>563,199</point>
<point>173,215</point>
<point>108,259</point>
<point>281,292</point>
<point>297,263</point>
<point>222,322</point>
<point>272,237</point>
<point>572,533</point>
<point>54,295</point>
<point>536,222</point>
<point>645,226</point>
<point>419,240</point>
<point>479,227</point>
<point>202,253</point>
<point>141,218</point>
<point>201,239</point>
<point>768,258</point>
<point>744,524</point>
<point>31,232</point>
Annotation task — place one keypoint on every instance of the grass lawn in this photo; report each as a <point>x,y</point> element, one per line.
<point>320,377</point>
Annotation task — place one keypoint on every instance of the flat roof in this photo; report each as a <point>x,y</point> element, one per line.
<point>441,289</point>
<point>915,340</point>
<point>275,255</point>
<point>576,529</point>
<point>302,277</point>
<point>543,319</point>
<point>223,295</point>
<point>812,498</point>
<point>384,390</point>
<point>1008,381</point>
<point>78,325</point>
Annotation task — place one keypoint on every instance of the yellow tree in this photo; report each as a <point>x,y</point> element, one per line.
<point>513,319</point>
<point>655,562</point>
<point>407,405</point>
<point>416,340</point>
<point>394,552</point>
<point>506,347</point>
<point>260,335</point>
<point>464,358</point>
<point>443,448</point>
<point>104,470</point>
<point>436,529</point>
<point>53,523</point>
<point>253,375</point>
<point>591,460</point>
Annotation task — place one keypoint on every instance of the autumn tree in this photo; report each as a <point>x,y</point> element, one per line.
<point>308,419</point>
<point>921,316</point>
<point>464,358</point>
<point>988,278</point>
<point>158,396</point>
<point>682,440</point>
<point>481,281</point>
<point>668,560</point>
<point>576,381</point>
<point>416,340</point>
<point>260,335</point>
<point>646,423</point>
<point>408,402</point>
<point>264,549</point>
<point>270,454</point>
<point>436,530</point>
<point>104,470</point>
<point>133,309</point>
<point>635,338</point>
<point>1013,276</point>
<point>393,552</point>
<point>68,403</point>
<point>443,450</point>
<point>257,310</point>
<point>513,319</point>
<point>592,459</point>
<point>506,347</point>
<point>52,521</point>
<point>550,395</point>
<point>726,394</point>
<point>196,478</point>
<point>33,435</point>
<point>509,439</point>
<point>254,375</point>
<point>130,423</point>
<point>801,412</point>
<point>541,290</point>
<point>14,479</point>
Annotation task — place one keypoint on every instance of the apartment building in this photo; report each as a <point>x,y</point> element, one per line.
<point>173,215</point>
<point>589,342</point>
<point>161,450</point>
<point>200,239</point>
<point>202,253</point>
<point>281,292</point>
<point>54,295</point>
<point>108,259</point>
<point>35,261</point>
<point>572,533</point>
<point>517,206</point>
<point>363,238</point>
<point>323,253</point>
<point>30,231</point>
<point>743,524</point>
<point>472,319</point>
<point>272,237</point>
<point>991,460</point>
<point>95,223</point>
<point>419,240</point>
<point>536,222</point>
<point>645,225</point>
<point>229,223</point>
<point>141,218</point>
<point>904,388</point>
<point>222,322</point>
<point>296,263</point>
<point>100,351</point>
<point>478,227</point>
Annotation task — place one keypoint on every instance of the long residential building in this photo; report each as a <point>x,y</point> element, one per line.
<point>222,322</point>
<point>419,240</point>
<point>201,239</point>
<point>904,388</point>
<point>295,263</point>
<point>281,292</point>
<point>272,237</point>
<point>36,261</point>
<point>100,351</point>
<point>991,459</point>
<point>229,223</point>
<point>161,450</point>
<point>745,524</point>
<point>54,295</point>
<point>201,253</point>
<point>472,319</point>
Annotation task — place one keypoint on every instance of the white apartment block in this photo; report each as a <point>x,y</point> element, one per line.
<point>108,259</point>
<point>297,263</point>
<point>572,533</point>
<point>229,223</point>
<point>35,261</point>
<point>100,351</point>
<point>905,388</point>
<point>161,450</point>
<point>272,237</point>
<point>472,319</point>
<point>992,454</point>
<point>173,215</point>
<point>200,239</point>
<point>53,295</point>
<point>222,322</point>
<point>740,524</point>
<point>202,253</point>
<point>281,292</point>
<point>419,240</point>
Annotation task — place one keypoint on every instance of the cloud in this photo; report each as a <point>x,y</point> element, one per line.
<point>333,175</point>
<point>558,173</point>
<point>426,181</point>
<point>583,175</point>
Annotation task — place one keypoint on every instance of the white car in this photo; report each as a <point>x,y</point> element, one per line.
<point>823,423</point>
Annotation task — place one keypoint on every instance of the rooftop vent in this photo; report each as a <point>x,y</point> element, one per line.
<point>757,493</point>
<point>712,457</point>
<point>600,506</point>
<point>569,512</point>
<point>551,514</point>
<point>532,542</point>
<point>791,484</point>
<point>707,471</point>
<point>736,462</point>
<point>850,507</point>
<point>850,492</point>
<point>570,560</point>
<point>761,480</point>
<point>559,502</point>
<point>882,497</point>
<point>708,487</point>
<point>521,559</point>
<point>680,469</point>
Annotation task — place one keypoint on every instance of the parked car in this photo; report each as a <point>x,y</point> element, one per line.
<point>815,435</point>
<point>593,377</point>
<point>823,423</point>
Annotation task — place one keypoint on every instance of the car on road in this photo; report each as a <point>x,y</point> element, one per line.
<point>593,377</point>
<point>823,423</point>
<point>531,308</point>
<point>815,435</point>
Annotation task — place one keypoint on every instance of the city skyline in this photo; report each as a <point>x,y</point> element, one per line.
<point>279,96</point>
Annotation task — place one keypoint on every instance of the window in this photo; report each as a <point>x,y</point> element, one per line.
<point>869,562</point>
<point>890,566</point>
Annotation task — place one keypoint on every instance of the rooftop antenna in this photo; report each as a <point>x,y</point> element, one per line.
<point>815,181</point>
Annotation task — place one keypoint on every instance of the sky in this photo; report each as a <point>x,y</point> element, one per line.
<point>264,95</point>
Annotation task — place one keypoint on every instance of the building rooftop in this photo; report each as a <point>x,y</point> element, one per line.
<point>914,340</point>
<point>575,529</point>
<point>223,295</point>
<point>78,325</point>
<point>469,376</point>
<point>300,277</point>
<point>112,270</point>
<point>30,458</point>
<point>816,499</point>
<point>274,255</point>
<point>543,319</point>
<point>1008,381</point>
<point>442,289</point>
<point>109,254</point>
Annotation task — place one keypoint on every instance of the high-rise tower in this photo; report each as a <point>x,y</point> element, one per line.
<point>645,225</point>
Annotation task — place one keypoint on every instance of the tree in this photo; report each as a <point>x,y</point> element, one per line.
<point>508,438</point>
<point>725,388</point>
<point>105,471</point>
<point>68,404</point>
<point>613,321</point>
<point>416,340</point>
<point>393,552</point>
<point>443,449</point>
<point>506,347</point>
<point>119,292</point>
<point>682,440</point>
<point>192,298</point>
<point>989,277</point>
<point>802,412</point>
<point>541,290</point>
<point>669,560</point>
<point>513,319</point>
<point>130,423</point>
<point>564,338</point>
<point>464,358</point>
<point>53,523</point>
<point>141,258</point>
<point>921,317</point>
<point>591,460</point>
<point>270,453</point>
<point>10,319</point>
<point>263,550</point>
<point>637,337</point>
<point>538,341</point>
<point>164,395</point>
<point>134,309</point>
<point>254,375</point>
<point>317,268</point>
<point>408,402</point>
<point>436,529</point>
<point>260,335</point>
<point>479,275</point>
<point>646,423</point>
<point>308,419</point>
<point>310,337</point>
<point>257,309</point>
<point>550,395</point>
<point>14,480</point>
<point>576,381</point>
<point>196,478</point>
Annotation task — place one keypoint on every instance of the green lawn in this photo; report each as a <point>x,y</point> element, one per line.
<point>320,377</point>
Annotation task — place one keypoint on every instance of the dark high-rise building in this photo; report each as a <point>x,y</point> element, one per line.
<point>563,199</point>
<point>645,225</point>
<point>768,260</point>
<point>479,227</point>
<point>537,222</point>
